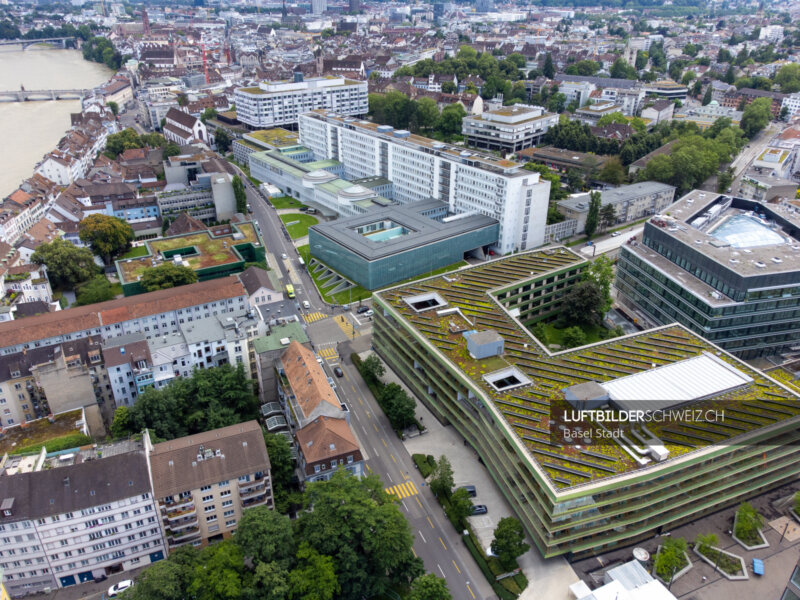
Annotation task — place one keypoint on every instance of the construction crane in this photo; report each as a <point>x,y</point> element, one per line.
<point>205,63</point>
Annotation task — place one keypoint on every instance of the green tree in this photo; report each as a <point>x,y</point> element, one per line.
<point>240,195</point>
<point>583,67</point>
<point>314,578</point>
<point>608,216</point>
<point>670,558</point>
<point>615,117</point>
<point>429,587</point>
<point>270,582</point>
<point>114,107</point>
<point>107,236</point>
<point>448,87</point>
<point>460,507</point>
<point>730,75</point>
<point>748,522</point>
<point>427,112</point>
<point>222,139</point>
<point>583,305</point>
<point>355,522</point>
<point>756,116</point>
<point>724,181</point>
<point>117,143</point>
<point>265,535</point>
<point>622,70</point>
<point>398,406</point>
<point>593,215</point>
<point>282,468</point>
<point>95,290</point>
<point>171,149</point>
<point>707,95</point>
<point>208,113</point>
<point>67,265</point>
<point>573,337</point>
<point>218,576</point>
<point>641,60</point>
<point>122,425</point>
<point>167,275</point>
<point>601,272</point>
<point>788,77</point>
<point>705,541</point>
<point>548,70</point>
<point>372,368</point>
<point>450,120</point>
<point>509,542</point>
<point>442,478</point>
<point>557,102</point>
<point>612,172</point>
<point>164,580</point>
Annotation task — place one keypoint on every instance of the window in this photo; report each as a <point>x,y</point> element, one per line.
<point>211,518</point>
<point>208,498</point>
<point>210,508</point>
<point>227,503</point>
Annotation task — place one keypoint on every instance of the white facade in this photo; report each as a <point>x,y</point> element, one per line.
<point>281,103</point>
<point>792,104</point>
<point>509,129</point>
<point>421,168</point>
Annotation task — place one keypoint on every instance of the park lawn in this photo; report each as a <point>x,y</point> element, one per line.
<point>353,295</point>
<point>285,202</point>
<point>300,224</point>
<point>134,252</point>
<point>116,288</point>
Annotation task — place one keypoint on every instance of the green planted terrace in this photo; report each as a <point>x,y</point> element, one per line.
<point>528,409</point>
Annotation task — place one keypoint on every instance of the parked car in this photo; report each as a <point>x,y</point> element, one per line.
<point>362,309</point>
<point>369,313</point>
<point>119,587</point>
<point>470,490</point>
<point>479,509</point>
<point>284,256</point>
<point>338,372</point>
<point>615,234</point>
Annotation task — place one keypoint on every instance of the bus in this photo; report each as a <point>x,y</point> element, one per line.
<point>290,290</point>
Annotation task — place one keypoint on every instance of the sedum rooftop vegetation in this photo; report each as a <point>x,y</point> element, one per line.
<point>527,409</point>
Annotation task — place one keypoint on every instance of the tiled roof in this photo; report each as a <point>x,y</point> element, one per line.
<point>325,438</point>
<point>178,116</point>
<point>308,380</point>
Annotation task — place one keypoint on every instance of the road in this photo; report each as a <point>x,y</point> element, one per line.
<point>754,149</point>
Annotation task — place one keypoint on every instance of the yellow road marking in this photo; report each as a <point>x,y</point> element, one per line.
<point>456,566</point>
<point>418,502</point>
<point>430,522</point>
<point>415,554</point>
<point>442,542</point>
<point>376,429</point>
<point>384,443</point>
<point>394,460</point>
<point>368,469</point>
<point>413,487</point>
<point>470,592</point>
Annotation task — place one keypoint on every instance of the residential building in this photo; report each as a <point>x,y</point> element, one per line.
<point>630,100</point>
<point>269,349</point>
<point>387,245</point>
<point>203,482</point>
<point>705,116</point>
<point>262,286</point>
<point>761,185</point>
<point>792,104</point>
<point>630,202</point>
<point>279,103</point>
<point>591,114</point>
<point>734,99</point>
<point>726,268</point>
<point>778,162</point>
<point>577,92</point>
<point>27,283</point>
<point>76,517</point>
<point>421,168</point>
<point>508,403</point>
<point>508,129</point>
<point>319,6</point>
<point>154,314</point>
<point>558,159</point>
<point>660,111</point>
<point>325,445</point>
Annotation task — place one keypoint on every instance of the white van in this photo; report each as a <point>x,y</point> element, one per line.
<point>306,304</point>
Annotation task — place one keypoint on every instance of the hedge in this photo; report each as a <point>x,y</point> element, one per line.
<point>425,464</point>
<point>73,440</point>
<point>480,558</point>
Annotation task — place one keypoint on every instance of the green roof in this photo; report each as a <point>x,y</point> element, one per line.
<point>527,410</point>
<point>293,331</point>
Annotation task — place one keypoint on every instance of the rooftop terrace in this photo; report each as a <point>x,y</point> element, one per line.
<point>527,408</point>
<point>202,250</point>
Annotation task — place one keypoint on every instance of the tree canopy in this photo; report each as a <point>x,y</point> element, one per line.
<point>239,194</point>
<point>583,305</point>
<point>756,116</point>
<point>67,264</point>
<point>97,289</point>
<point>107,236</point>
<point>509,542</point>
<point>167,275</point>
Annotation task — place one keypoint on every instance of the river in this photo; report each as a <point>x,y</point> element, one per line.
<point>31,129</point>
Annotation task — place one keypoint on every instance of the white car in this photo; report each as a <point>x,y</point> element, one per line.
<point>615,234</point>
<point>119,587</point>
<point>306,304</point>
<point>284,256</point>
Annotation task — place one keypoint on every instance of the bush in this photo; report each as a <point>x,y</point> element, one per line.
<point>73,440</point>
<point>480,558</point>
<point>425,464</point>
<point>670,559</point>
<point>797,494</point>
<point>748,522</point>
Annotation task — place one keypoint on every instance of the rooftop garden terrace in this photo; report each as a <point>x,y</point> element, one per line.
<point>40,431</point>
<point>527,408</point>
<point>215,248</point>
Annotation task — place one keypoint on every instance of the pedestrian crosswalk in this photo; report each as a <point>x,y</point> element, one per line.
<point>328,353</point>
<point>403,490</point>
<point>314,316</point>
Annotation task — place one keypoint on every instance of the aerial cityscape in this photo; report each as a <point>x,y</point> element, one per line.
<point>364,299</point>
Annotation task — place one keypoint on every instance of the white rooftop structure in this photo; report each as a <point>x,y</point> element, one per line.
<point>684,381</point>
<point>629,581</point>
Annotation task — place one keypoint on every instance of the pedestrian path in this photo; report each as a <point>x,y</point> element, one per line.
<point>403,490</point>
<point>314,316</point>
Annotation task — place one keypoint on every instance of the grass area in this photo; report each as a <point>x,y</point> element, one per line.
<point>299,224</point>
<point>39,432</point>
<point>134,252</point>
<point>447,269</point>
<point>594,333</point>
<point>425,464</point>
<point>353,295</point>
<point>480,558</point>
<point>116,288</point>
<point>285,202</point>
<point>74,440</point>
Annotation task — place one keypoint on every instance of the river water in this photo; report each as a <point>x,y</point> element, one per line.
<point>31,129</point>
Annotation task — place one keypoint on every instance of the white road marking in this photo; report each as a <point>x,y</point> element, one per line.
<point>422,536</point>
<point>440,570</point>
<point>403,502</point>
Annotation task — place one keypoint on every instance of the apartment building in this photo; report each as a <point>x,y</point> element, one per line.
<point>421,168</point>
<point>280,103</point>
<point>153,314</point>
<point>325,445</point>
<point>73,518</point>
<point>203,482</point>
<point>508,129</point>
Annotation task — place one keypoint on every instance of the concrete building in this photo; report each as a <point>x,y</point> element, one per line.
<point>761,185</point>
<point>269,349</point>
<point>591,114</point>
<point>630,202</point>
<point>279,103</point>
<point>421,168</point>
<point>661,111</point>
<point>578,92</point>
<point>726,268</point>
<point>73,518</point>
<point>319,6</point>
<point>204,482</point>
<point>508,129</point>
<point>510,407</point>
<point>792,104</point>
<point>387,245</point>
<point>705,116</point>
<point>628,581</point>
<point>284,141</point>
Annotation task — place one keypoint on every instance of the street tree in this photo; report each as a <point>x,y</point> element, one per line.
<point>314,578</point>
<point>429,587</point>
<point>756,116</point>
<point>372,368</point>
<point>113,106</point>
<point>167,275</point>
<point>218,575</point>
<point>67,265</point>
<point>270,582</point>
<point>107,236</point>
<point>593,215</point>
<point>608,215</point>
<point>265,535</point>
<point>442,478</point>
<point>460,507</point>
<point>509,542</point>
<point>164,580</point>
<point>398,406</point>
<point>239,194</point>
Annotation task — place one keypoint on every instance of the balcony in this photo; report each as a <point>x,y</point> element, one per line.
<point>253,491</point>
<point>183,537</point>
<point>244,485</point>
<point>180,512</point>
<point>180,524</point>
<point>256,501</point>
<point>170,503</point>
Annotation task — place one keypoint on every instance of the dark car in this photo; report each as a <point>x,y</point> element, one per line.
<point>362,309</point>
<point>338,372</point>
<point>470,490</point>
<point>479,509</point>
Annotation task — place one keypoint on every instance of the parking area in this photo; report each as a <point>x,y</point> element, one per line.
<point>549,578</point>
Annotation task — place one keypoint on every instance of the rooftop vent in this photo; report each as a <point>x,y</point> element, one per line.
<point>385,129</point>
<point>423,302</point>
<point>759,264</point>
<point>506,379</point>
<point>734,260</point>
<point>402,133</point>
<point>698,241</point>
<point>777,260</point>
